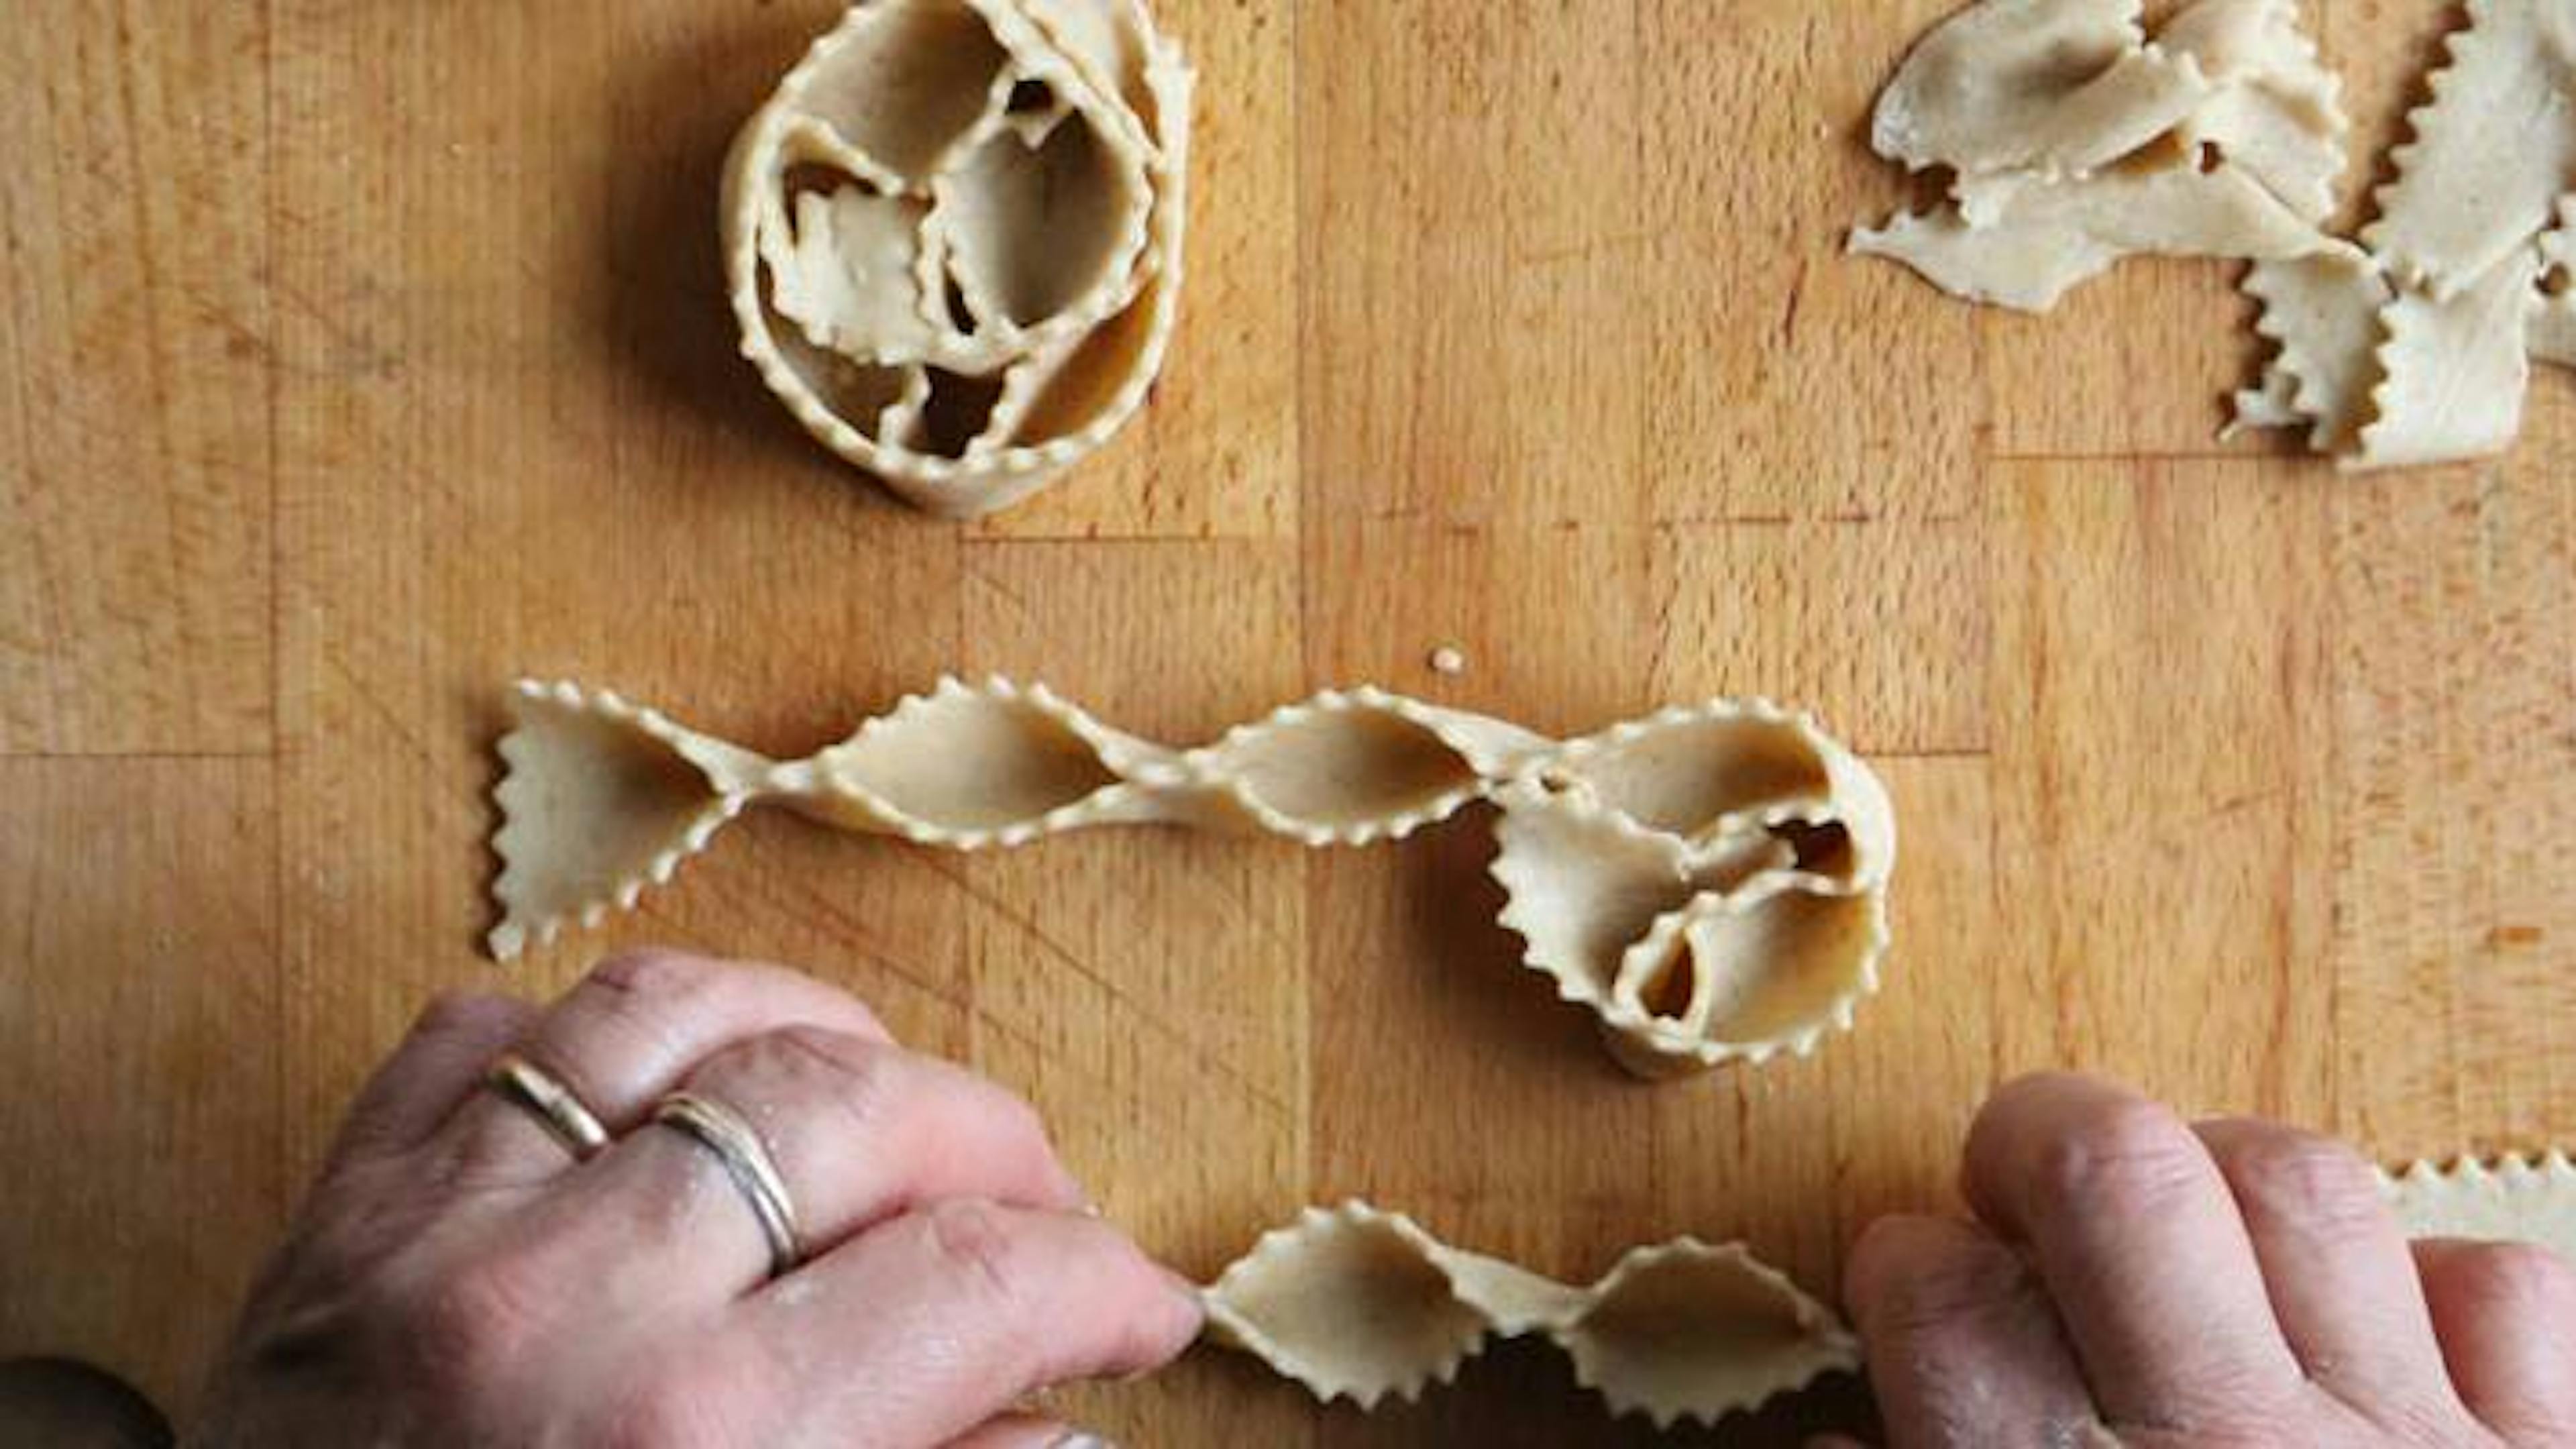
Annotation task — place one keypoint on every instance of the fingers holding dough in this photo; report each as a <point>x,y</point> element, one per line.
<point>1964,1347</point>
<point>2341,1281</point>
<point>2100,1184</point>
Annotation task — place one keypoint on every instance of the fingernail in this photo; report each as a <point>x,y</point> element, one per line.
<point>1080,1440</point>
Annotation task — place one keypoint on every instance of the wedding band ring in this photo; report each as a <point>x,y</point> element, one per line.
<point>722,1131</point>
<point>525,1084</point>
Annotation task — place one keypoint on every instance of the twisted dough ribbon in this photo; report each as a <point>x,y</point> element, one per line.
<point>1359,1303</point>
<point>1710,881</point>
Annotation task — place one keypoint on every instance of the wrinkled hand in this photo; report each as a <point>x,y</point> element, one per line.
<point>457,1278</point>
<point>2134,1281</point>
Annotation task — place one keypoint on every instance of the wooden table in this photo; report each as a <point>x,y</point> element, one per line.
<point>359,357</point>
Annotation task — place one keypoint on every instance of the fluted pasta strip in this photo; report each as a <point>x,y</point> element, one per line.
<point>2492,152</point>
<point>1362,1304</point>
<point>1710,881</point>
<point>2425,358</point>
<point>953,237</point>
<point>2512,1200</point>
<point>2322,315</point>
<point>2453,369</point>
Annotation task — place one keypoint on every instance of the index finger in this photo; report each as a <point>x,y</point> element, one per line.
<point>929,1325</point>
<point>2140,1244</point>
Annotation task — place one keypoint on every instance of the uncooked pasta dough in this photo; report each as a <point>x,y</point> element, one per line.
<point>2513,1200</point>
<point>953,237</point>
<point>2074,139</point>
<point>1362,1304</point>
<point>1710,882</point>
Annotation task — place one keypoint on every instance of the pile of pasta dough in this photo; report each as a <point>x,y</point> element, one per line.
<point>953,237</point>
<point>2074,138</point>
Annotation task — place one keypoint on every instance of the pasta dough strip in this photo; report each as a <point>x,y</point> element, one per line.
<point>1362,1304</point>
<point>2512,1200</point>
<point>2322,314</point>
<point>2492,150</point>
<point>1709,881</point>
<point>2453,370</point>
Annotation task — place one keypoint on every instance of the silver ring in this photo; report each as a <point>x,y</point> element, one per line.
<point>722,1131</point>
<point>525,1084</point>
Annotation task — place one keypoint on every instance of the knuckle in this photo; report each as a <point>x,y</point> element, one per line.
<point>451,1012</point>
<point>654,973</point>
<point>472,1324</point>
<point>2119,1148</point>
<point>2292,1177</point>
<point>861,1077</point>
<point>973,1245</point>
<point>676,1407</point>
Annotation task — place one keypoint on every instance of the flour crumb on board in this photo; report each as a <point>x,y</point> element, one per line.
<point>1449,660</point>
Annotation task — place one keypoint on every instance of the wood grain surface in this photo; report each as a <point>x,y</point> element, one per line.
<point>360,355</point>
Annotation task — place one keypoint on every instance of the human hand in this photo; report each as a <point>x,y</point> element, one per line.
<point>457,1277</point>
<point>2133,1281</point>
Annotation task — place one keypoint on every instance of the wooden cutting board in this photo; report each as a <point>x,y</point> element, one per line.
<point>359,357</point>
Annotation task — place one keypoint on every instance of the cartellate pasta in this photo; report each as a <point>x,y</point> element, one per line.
<point>1710,882</point>
<point>953,237</point>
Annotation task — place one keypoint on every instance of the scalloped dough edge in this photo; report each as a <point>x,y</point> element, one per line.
<point>2489,151</point>
<point>2514,1198</point>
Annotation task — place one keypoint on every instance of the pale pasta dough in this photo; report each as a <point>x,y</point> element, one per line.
<point>2513,1200</point>
<point>953,237</point>
<point>1709,882</point>
<point>2075,139</point>
<point>2453,369</point>
<point>2039,241</point>
<point>2426,358</point>
<point>2493,150</point>
<point>2321,314</point>
<point>1362,1304</point>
